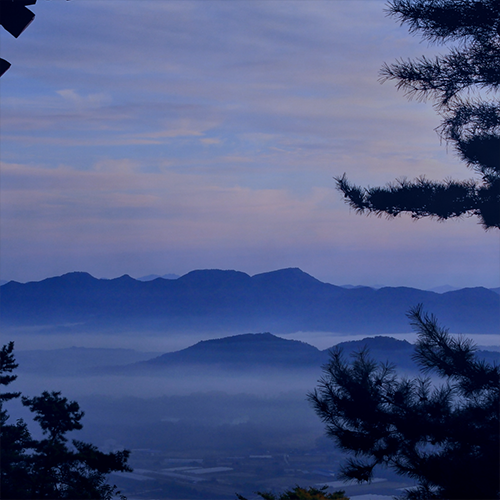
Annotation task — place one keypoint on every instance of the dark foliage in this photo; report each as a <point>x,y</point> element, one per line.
<point>471,124</point>
<point>299,493</point>
<point>444,436</point>
<point>48,468</point>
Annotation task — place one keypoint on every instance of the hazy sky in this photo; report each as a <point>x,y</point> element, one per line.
<point>163,136</point>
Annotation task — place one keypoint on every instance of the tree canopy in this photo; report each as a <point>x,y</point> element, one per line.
<point>462,84</point>
<point>299,493</point>
<point>49,468</point>
<point>445,435</point>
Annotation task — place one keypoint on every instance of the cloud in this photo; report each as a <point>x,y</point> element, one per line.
<point>207,133</point>
<point>91,100</point>
<point>115,217</point>
<point>150,72</point>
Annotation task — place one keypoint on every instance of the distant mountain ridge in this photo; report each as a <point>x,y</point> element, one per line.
<point>151,277</point>
<point>238,351</point>
<point>287,300</point>
<point>264,351</point>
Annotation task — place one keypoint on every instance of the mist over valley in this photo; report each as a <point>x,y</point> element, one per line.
<point>206,410</point>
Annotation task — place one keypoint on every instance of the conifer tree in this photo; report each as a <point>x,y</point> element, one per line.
<point>463,85</point>
<point>299,493</point>
<point>49,468</point>
<point>445,435</point>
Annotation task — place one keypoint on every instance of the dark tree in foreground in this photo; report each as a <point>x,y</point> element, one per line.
<point>444,436</point>
<point>49,468</point>
<point>462,84</point>
<point>299,493</point>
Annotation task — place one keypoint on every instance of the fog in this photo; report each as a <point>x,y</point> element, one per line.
<point>50,337</point>
<point>192,395</point>
<point>47,338</point>
<point>251,425</point>
<point>188,422</point>
<point>180,382</point>
<point>206,416</point>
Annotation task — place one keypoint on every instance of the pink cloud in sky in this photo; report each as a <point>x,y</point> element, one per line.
<point>164,136</point>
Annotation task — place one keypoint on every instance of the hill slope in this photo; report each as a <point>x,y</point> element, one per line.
<point>266,352</point>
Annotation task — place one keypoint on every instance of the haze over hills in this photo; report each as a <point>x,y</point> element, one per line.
<point>266,351</point>
<point>239,351</point>
<point>233,409</point>
<point>283,301</point>
<point>76,360</point>
<point>248,354</point>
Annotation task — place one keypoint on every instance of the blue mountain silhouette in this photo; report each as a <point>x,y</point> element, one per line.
<point>286,300</point>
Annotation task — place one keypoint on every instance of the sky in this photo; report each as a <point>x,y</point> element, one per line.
<point>153,137</point>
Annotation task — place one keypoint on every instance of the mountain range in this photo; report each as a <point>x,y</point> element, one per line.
<point>283,301</point>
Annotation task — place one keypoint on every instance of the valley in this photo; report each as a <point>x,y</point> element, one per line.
<point>210,405</point>
<point>222,416</point>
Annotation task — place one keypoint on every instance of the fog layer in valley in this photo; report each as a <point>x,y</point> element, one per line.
<point>187,407</point>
